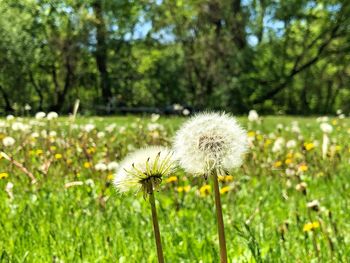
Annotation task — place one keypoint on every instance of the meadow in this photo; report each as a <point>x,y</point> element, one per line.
<point>289,202</point>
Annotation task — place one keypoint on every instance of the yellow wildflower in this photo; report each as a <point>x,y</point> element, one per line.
<point>288,161</point>
<point>187,188</point>
<point>228,178</point>
<point>4,175</point>
<point>87,164</point>
<point>205,190</point>
<point>171,179</point>
<point>289,156</point>
<point>224,190</point>
<point>259,137</point>
<point>91,150</point>
<point>53,148</point>
<point>58,156</point>
<point>334,122</point>
<point>277,164</point>
<point>303,168</point>
<point>251,134</point>
<point>39,152</point>
<point>69,161</point>
<point>309,146</point>
<point>338,148</point>
<point>110,177</point>
<point>180,189</point>
<point>311,226</point>
<point>267,142</point>
<point>221,178</point>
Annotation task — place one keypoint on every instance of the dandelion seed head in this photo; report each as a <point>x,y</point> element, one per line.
<point>8,141</point>
<point>326,127</point>
<point>210,141</point>
<point>143,169</point>
<point>52,115</point>
<point>40,115</point>
<point>253,116</point>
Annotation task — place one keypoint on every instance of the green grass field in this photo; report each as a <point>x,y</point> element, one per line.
<point>283,205</point>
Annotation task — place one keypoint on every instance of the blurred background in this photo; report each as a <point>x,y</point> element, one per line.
<point>115,56</point>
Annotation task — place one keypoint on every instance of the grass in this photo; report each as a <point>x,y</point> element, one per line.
<point>265,216</point>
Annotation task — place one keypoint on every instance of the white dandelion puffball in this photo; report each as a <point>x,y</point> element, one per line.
<point>326,127</point>
<point>210,141</point>
<point>253,115</point>
<point>143,169</point>
<point>100,166</point>
<point>40,115</point>
<point>52,115</point>
<point>8,141</point>
<point>291,144</point>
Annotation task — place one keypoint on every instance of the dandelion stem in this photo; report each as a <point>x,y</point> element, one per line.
<point>221,228</point>
<point>156,226</point>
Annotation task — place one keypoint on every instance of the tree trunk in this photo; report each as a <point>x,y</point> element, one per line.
<point>8,108</point>
<point>101,54</point>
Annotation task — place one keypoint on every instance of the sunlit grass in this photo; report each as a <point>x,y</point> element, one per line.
<point>266,218</point>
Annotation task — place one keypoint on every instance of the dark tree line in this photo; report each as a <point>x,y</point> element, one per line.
<point>274,56</point>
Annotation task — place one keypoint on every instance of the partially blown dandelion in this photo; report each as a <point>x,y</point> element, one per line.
<point>143,171</point>
<point>211,144</point>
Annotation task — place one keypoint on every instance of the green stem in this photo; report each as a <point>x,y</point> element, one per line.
<point>221,228</point>
<point>156,227</point>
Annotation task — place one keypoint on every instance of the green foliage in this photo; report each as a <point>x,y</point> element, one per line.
<point>284,56</point>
